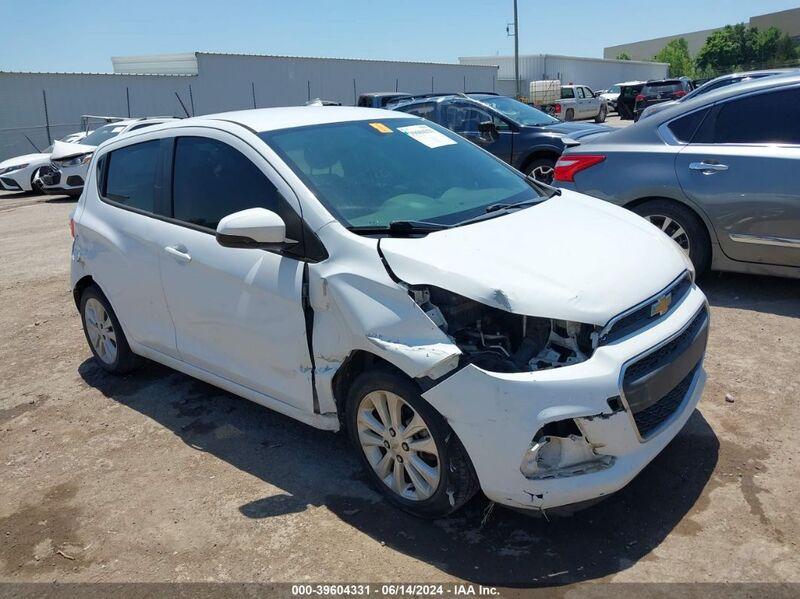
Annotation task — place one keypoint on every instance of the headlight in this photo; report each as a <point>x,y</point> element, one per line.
<point>500,341</point>
<point>75,161</point>
<point>9,169</point>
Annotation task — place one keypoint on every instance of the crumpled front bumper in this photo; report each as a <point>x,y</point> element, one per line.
<point>496,416</point>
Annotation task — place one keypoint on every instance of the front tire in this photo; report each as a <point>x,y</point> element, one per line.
<point>542,170</point>
<point>104,333</point>
<point>683,226</point>
<point>408,451</point>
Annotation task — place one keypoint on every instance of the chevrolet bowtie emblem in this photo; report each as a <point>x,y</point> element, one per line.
<point>661,305</point>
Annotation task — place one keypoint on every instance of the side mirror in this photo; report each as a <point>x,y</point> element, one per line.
<point>253,228</point>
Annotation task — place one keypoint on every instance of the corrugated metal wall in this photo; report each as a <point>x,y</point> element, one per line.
<point>224,82</point>
<point>597,73</point>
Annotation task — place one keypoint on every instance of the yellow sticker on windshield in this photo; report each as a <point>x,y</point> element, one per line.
<point>380,127</point>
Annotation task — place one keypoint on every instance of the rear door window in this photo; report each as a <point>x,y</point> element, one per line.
<point>769,118</point>
<point>579,91</point>
<point>130,175</point>
<point>212,180</point>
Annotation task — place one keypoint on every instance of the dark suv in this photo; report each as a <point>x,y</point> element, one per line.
<point>525,137</point>
<point>663,90</point>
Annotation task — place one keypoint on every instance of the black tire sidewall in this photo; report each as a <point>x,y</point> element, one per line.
<point>439,504</point>
<point>567,114</point>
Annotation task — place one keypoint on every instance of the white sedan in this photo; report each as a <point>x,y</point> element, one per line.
<point>19,173</point>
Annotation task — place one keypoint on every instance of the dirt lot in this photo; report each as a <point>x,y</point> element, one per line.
<point>157,477</point>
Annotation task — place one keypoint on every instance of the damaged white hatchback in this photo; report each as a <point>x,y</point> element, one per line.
<point>363,269</point>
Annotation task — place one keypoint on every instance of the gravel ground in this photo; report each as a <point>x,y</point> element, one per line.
<point>158,477</point>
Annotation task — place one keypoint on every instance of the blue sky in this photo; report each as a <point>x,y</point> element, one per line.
<point>33,32</point>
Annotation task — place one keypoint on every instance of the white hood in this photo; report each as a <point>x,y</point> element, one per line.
<point>63,150</point>
<point>572,258</point>
<point>26,159</point>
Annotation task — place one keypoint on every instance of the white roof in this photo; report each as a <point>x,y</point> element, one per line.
<point>270,119</point>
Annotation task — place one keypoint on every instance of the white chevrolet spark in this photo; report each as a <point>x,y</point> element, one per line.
<point>363,269</point>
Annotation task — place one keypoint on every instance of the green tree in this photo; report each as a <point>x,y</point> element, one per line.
<point>676,53</point>
<point>623,56</point>
<point>737,46</point>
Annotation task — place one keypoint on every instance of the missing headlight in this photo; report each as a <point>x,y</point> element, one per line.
<point>500,341</point>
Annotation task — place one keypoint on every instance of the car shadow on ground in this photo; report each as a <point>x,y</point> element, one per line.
<point>500,546</point>
<point>771,295</point>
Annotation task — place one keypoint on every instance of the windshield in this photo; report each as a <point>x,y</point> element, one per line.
<point>614,89</point>
<point>371,173</point>
<point>100,135</point>
<point>518,112</point>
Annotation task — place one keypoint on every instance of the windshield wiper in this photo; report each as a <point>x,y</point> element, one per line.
<point>554,191</point>
<point>415,226</point>
<point>401,227</point>
<point>522,204</point>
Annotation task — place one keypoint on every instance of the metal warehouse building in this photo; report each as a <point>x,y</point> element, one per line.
<point>45,106</point>
<point>597,73</point>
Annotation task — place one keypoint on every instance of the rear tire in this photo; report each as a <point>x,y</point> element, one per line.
<point>683,226</point>
<point>569,114</point>
<point>430,467</point>
<point>104,333</point>
<point>601,116</point>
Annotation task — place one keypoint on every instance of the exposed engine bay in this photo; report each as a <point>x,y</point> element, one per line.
<point>500,341</point>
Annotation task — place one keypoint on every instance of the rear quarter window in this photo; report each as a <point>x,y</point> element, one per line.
<point>684,127</point>
<point>130,175</point>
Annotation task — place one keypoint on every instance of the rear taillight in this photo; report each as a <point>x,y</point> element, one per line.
<point>678,94</point>
<point>640,98</point>
<point>568,166</point>
<point>72,228</point>
<point>557,108</point>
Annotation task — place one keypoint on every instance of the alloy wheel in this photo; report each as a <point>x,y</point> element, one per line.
<point>100,330</point>
<point>543,173</point>
<point>673,229</point>
<point>398,445</point>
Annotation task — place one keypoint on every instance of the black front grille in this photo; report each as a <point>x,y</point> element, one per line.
<point>650,418</point>
<point>666,352</point>
<point>656,385</point>
<point>643,316</point>
<point>10,183</point>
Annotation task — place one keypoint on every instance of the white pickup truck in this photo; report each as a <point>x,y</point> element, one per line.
<point>568,102</point>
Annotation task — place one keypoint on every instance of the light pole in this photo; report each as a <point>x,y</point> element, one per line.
<point>516,49</point>
<point>515,35</point>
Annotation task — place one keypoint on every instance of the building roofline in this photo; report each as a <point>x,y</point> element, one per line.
<point>587,58</point>
<point>380,60</point>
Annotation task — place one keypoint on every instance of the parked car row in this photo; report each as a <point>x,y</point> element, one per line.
<point>20,173</point>
<point>517,133</point>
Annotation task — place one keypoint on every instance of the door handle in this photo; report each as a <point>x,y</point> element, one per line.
<point>179,252</point>
<point>708,168</point>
